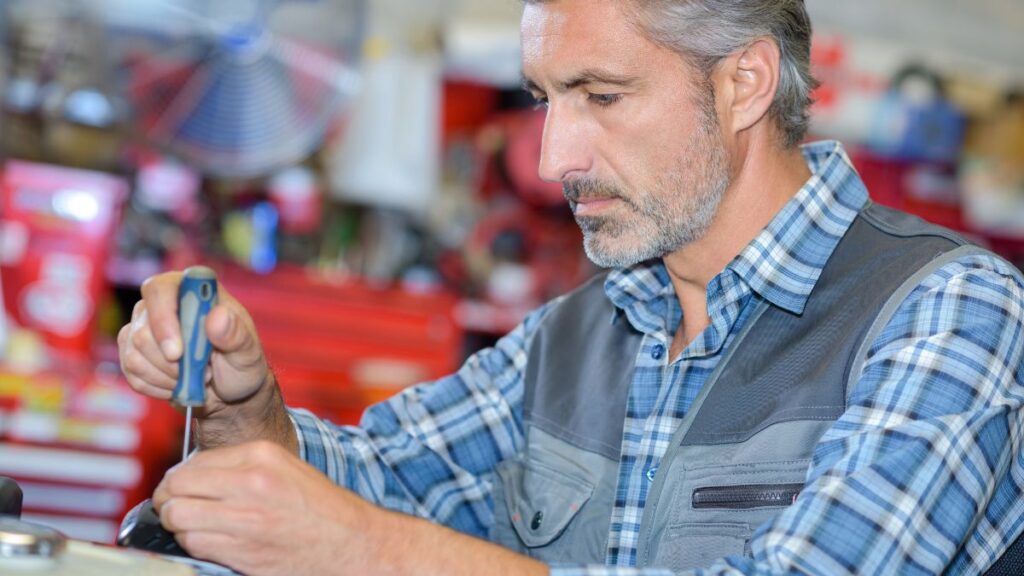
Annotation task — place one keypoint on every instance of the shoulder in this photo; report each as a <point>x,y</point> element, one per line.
<point>962,322</point>
<point>967,278</point>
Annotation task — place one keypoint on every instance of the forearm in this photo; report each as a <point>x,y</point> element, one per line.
<point>260,417</point>
<point>429,451</point>
<point>410,545</point>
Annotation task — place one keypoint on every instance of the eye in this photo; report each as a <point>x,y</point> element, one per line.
<point>604,99</point>
<point>541,101</point>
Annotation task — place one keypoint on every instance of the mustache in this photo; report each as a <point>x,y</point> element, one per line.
<point>589,189</point>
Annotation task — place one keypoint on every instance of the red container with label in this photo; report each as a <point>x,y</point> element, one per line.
<point>56,229</point>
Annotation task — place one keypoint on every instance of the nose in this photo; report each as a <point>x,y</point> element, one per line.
<point>564,147</point>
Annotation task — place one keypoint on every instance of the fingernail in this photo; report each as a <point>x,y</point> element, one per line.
<point>171,349</point>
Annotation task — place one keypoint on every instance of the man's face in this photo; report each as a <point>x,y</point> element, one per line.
<point>631,132</point>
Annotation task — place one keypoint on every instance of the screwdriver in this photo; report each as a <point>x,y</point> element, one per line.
<point>197,295</point>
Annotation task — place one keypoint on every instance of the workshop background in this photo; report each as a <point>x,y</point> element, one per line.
<point>362,176</point>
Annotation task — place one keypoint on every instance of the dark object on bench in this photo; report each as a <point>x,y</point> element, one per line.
<point>141,529</point>
<point>10,498</point>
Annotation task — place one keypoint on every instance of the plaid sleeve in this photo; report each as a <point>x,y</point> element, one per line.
<point>430,449</point>
<point>923,473</point>
<point>583,570</point>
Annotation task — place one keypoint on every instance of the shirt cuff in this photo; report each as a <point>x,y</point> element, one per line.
<point>319,444</point>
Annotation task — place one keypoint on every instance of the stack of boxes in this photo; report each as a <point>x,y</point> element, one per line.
<point>81,443</point>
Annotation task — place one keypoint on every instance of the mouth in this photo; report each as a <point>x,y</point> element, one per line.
<point>591,206</point>
<point>590,196</point>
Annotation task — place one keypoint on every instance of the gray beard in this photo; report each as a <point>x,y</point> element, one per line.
<point>669,237</point>
<point>664,226</point>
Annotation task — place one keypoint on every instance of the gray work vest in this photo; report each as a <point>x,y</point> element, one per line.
<point>743,451</point>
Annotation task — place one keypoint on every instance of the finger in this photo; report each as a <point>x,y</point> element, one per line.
<point>140,369</point>
<point>122,337</point>
<point>182,514</point>
<point>147,389</point>
<point>189,481</point>
<point>140,338</point>
<point>139,308</point>
<point>160,293</point>
<point>210,546</point>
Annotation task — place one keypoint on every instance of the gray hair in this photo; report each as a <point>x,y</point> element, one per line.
<point>707,31</point>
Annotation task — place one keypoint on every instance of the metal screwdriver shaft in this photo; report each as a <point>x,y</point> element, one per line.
<point>188,433</point>
<point>196,298</point>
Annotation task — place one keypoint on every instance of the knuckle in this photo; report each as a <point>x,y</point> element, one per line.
<point>134,383</point>
<point>195,542</point>
<point>263,481</point>
<point>139,337</point>
<point>132,361</point>
<point>258,481</point>
<point>150,284</point>
<point>176,481</point>
<point>158,282</point>
<point>265,451</point>
<point>174,515</point>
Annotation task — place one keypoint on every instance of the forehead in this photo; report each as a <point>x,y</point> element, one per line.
<point>559,35</point>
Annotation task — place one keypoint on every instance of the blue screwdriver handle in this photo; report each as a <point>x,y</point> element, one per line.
<point>196,297</point>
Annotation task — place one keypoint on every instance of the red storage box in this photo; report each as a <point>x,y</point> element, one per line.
<point>337,347</point>
<point>56,230</point>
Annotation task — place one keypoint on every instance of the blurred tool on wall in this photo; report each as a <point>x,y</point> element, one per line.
<point>916,122</point>
<point>993,169</point>
<point>159,107</point>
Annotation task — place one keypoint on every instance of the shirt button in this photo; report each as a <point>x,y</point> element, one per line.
<point>537,519</point>
<point>658,352</point>
<point>651,472</point>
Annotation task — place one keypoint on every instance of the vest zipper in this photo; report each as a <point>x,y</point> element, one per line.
<point>674,447</point>
<point>747,496</point>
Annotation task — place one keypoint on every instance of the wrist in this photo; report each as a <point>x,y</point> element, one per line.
<point>261,416</point>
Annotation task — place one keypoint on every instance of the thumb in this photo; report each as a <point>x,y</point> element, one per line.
<point>238,365</point>
<point>226,330</point>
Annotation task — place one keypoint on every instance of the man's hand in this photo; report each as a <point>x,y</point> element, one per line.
<point>242,400</point>
<point>262,511</point>
<point>259,510</point>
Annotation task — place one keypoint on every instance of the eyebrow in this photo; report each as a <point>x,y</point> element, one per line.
<point>584,77</point>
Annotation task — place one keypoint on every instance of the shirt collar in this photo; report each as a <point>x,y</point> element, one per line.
<point>783,263</point>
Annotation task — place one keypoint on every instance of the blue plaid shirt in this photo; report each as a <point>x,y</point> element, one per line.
<point>923,471</point>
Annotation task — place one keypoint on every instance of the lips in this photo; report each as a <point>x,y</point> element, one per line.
<point>587,206</point>
<point>589,196</point>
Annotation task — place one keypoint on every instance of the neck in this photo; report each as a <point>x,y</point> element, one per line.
<point>764,179</point>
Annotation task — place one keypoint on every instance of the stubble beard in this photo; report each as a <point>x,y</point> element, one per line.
<point>678,210</point>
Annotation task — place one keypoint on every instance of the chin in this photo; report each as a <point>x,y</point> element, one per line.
<point>605,256</point>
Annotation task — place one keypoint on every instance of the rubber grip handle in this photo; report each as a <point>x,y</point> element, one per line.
<point>196,297</point>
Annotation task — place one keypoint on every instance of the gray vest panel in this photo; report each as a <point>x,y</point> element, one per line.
<point>583,326</point>
<point>799,371</point>
<point>743,450</point>
<point>573,432</point>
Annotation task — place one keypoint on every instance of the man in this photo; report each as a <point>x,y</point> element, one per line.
<point>777,375</point>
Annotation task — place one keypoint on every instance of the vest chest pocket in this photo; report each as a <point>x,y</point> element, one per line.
<point>719,508</point>
<point>538,502</point>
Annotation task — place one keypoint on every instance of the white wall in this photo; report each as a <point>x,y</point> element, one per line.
<point>980,36</point>
<point>983,37</point>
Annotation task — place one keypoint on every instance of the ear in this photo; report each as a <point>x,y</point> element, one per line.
<point>750,78</point>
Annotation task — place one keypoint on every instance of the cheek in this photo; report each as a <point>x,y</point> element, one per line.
<point>639,163</point>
